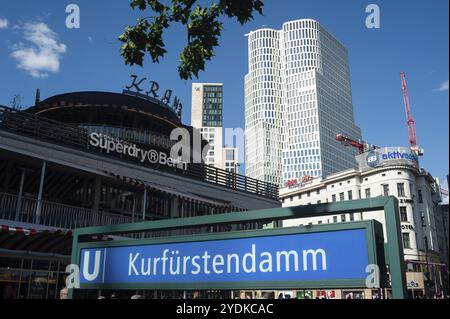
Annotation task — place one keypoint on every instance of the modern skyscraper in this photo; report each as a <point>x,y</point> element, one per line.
<point>297,99</point>
<point>206,115</point>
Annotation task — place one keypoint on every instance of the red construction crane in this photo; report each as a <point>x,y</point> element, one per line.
<point>360,145</point>
<point>410,120</point>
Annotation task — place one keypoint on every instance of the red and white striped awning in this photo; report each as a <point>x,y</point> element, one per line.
<point>47,241</point>
<point>29,231</point>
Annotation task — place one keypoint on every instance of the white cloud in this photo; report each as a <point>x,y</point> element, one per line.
<point>43,52</point>
<point>3,23</point>
<point>443,87</point>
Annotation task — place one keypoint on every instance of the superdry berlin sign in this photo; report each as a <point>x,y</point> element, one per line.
<point>112,145</point>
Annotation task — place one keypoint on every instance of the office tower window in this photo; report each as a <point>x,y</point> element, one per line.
<point>350,195</point>
<point>341,197</point>
<point>335,219</point>
<point>343,218</point>
<point>229,155</point>
<point>333,198</point>
<point>352,216</point>
<point>367,192</point>
<point>212,105</point>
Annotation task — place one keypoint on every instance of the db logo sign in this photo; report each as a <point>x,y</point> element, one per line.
<point>372,159</point>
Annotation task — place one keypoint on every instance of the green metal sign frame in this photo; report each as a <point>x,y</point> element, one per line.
<point>393,251</point>
<point>372,230</point>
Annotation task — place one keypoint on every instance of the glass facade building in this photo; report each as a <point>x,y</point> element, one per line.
<point>298,98</point>
<point>212,105</point>
<point>207,117</point>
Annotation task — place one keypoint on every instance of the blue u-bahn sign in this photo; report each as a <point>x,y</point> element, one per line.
<point>330,256</point>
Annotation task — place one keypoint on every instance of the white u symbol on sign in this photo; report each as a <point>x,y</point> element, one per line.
<point>94,275</point>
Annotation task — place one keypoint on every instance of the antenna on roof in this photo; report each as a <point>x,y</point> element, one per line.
<point>38,97</point>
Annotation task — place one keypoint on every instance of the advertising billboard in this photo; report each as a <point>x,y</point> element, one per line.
<point>388,156</point>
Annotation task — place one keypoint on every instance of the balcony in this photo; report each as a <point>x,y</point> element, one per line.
<point>23,209</point>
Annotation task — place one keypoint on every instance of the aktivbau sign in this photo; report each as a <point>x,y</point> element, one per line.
<point>286,259</point>
<point>389,156</point>
<point>112,145</point>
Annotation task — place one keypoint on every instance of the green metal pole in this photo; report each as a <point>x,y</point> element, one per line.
<point>395,249</point>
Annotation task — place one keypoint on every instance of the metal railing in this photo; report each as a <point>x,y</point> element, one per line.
<point>23,209</point>
<point>48,130</point>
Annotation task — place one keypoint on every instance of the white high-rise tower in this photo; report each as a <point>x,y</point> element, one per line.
<point>297,99</point>
<point>207,116</point>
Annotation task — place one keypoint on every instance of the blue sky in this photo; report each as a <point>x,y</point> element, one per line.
<point>413,38</point>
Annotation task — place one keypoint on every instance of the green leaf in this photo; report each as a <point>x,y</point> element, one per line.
<point>141,4</point>
<point>203,27</point>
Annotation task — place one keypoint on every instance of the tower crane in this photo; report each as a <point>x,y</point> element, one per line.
<point>360,145</point>
<point>409,118</point>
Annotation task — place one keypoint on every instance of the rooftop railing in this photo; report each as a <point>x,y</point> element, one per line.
<point>74,136</point>
<point>23,209</point>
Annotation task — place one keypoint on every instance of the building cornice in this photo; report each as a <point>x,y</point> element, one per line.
<point>353,173</point>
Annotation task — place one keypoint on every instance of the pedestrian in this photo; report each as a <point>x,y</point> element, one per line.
<point>63,293</point>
